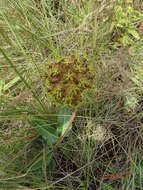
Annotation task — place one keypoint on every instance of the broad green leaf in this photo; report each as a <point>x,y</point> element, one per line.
<point>1,87</point>
<point>11,83</point>
<point>51,138</point>
<point>63,120</point>
<point>45,130</point>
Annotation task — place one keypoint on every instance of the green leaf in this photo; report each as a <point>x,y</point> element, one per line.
<point>51,163</point>
<point>38,164</point>
<point>11,83</point>
<point>1,87</point>
<point>49,137</point>
<point>134,33</point>
<point>47,132</point>
<point>63,120</point>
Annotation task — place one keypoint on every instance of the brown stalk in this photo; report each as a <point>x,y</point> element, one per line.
<point>117,176</point>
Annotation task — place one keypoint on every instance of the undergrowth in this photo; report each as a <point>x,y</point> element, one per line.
<point>71,95</point>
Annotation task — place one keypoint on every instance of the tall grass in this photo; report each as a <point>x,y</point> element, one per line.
<point>103,150</point>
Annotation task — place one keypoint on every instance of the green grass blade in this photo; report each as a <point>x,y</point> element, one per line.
<point>11,83</point>
<point>1,87</point>
<point>21,77</point>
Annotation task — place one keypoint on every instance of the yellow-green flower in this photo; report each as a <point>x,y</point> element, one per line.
<point>68,80</point>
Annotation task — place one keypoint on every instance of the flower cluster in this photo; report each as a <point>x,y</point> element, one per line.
<point>68,80</point>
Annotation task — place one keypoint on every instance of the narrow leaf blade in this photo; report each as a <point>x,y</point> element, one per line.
<point>11,83</point>
<point>1,87</point>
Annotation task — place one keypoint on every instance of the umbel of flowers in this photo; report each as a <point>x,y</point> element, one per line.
<point>68,80</point>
